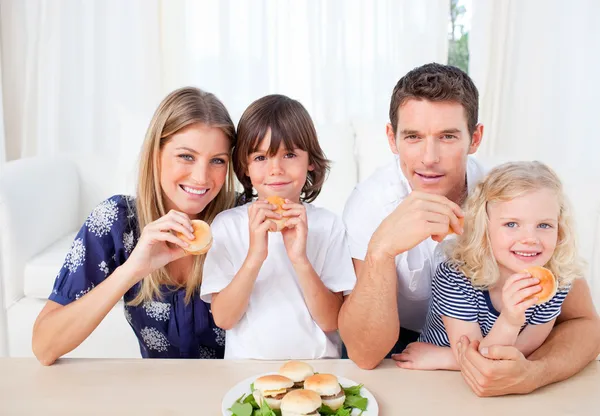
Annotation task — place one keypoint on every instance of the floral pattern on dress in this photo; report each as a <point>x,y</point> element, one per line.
<point>84,291</point>
<point>75,256</point>
<point>220,335</point>
<point>157,310</point>
<point>102,218</point>
<point>207,353</point>
<point>128,242</point>
<point>103,268</point>
<point>154,339</point>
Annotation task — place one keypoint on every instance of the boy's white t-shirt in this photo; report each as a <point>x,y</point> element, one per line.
<point>277,324</point>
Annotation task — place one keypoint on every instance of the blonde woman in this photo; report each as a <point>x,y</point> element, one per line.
<point>127,248</point>
<point>517,217</point>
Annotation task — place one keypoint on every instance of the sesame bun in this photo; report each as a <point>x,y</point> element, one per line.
<point>278,202</point>
<point>272,389</point>
<point>328,387</point>
<point>202,241</point>
<point>547,282</point>
<point>301,403</point>
<point>297,371</point>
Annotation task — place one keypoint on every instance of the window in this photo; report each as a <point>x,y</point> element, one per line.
<point>458,34</point>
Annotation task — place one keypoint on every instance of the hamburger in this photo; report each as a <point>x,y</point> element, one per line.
<point>297,371</point>
<point>328,387</point>
<point>278,202</point>
<point>547,282</point>
<point>272,389</point>
<point>440,238</point>
<point>301,403</point>
<point>202,238</point>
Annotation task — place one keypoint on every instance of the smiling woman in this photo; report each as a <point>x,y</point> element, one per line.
<point>131,247</point>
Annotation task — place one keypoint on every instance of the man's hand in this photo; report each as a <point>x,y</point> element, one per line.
<point>497,370</point>
<point>418,217</point>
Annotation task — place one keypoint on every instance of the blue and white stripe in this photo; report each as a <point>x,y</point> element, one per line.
<point>454,296</point>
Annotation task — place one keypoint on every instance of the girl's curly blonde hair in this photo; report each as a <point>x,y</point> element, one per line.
<point>472,253</point>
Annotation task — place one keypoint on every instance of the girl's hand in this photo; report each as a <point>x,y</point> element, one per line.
<point>295,232</point>
<point>259,224</point>
<point>515,292</point>
<point>424,356</point>
<point>158,246</point>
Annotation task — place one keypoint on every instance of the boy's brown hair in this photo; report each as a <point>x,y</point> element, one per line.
<point>289,123</point>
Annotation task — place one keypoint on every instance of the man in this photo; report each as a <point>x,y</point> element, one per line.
<point>391,218</point>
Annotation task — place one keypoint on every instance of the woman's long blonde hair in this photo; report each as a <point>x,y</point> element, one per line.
<point>472,252</point>
<point>178,110</point>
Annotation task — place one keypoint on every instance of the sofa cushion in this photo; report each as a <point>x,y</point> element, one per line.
<point>41,270</point>
<point>113,338</point>
<point>372,148</point>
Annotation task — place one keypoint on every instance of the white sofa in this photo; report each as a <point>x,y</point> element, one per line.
<point>44,201</point>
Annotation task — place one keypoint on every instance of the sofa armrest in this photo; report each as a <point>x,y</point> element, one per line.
<point>39,204</point>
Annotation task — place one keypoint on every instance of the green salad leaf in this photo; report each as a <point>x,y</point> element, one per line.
<point>343,411</point>
<point>264,410</point>
<point>250,399</point>
<point>357,402</point>
<point>326,410</point>
<point>353,391</point>
<point>241,409</point>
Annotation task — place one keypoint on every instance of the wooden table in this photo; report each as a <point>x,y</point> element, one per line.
<point>196,387</point>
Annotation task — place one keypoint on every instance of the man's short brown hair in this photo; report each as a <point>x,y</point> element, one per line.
<point>436,82</point>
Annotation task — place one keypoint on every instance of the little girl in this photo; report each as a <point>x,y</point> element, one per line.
<point>278,294</point>
<point>517,217</point>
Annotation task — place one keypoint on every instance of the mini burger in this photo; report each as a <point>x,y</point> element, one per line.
<point>301,403</point>
<point>202,238</point>
<point>278,202</point>
<point>272,388</point>
<point>297,371</point>
<point>328,387</point>
<point>547,282</point>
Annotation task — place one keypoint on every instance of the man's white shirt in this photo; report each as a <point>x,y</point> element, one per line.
<point>369,204</point>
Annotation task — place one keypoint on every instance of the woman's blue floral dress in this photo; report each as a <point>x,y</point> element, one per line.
<point>165,328</point>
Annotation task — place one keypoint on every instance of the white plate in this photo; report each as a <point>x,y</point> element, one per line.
<point>243,387</point>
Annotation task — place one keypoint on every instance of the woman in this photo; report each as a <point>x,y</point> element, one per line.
<point>127,247</point>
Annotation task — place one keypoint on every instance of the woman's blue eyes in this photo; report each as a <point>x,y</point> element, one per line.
<point>511,224</point>
<point>215,161</point>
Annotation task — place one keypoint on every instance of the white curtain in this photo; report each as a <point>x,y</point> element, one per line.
<point>78,72</point>
<point>340,58</point>
<point>537,66</point>
<point>73,71</point>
